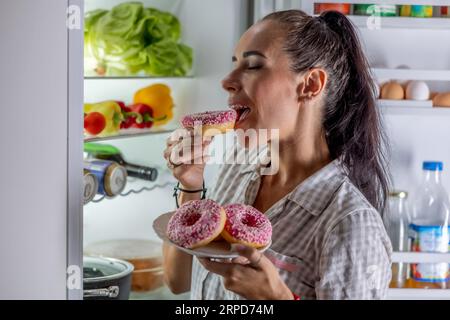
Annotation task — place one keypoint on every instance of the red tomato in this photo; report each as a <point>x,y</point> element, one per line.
<point>94,123</point>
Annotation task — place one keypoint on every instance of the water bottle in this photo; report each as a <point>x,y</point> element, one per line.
<point>429,227</point>
<point>396,220</point>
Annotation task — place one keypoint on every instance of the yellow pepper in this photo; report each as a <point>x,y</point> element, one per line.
<point>158,97</point>
<point>112,113</point>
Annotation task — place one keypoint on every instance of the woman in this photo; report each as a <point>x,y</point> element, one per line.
<point>308,77</point>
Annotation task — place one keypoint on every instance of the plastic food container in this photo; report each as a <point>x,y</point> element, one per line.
<point>144,255</point>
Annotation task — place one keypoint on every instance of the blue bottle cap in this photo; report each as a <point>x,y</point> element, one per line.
<point>432,165</point>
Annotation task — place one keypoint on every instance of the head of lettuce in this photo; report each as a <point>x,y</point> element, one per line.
<point>130,39</point>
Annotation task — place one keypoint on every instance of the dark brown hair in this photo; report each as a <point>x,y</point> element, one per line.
<point>351,118</point>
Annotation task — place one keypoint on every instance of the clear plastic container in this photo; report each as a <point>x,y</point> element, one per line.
<point>428,230</point>
<point>396,220</point>
<point>144,255</point>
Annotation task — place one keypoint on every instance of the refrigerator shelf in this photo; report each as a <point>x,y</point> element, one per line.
<point>417,257</point>
<point>427,104</point>
<point>137,78</point>
<point>418,294</point>
<point>408,110</point>
<point>383,74</point>
<point>130,133</point>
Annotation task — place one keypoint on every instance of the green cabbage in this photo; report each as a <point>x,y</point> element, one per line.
<point>162,25</point>
<point>130,38</point>
<point>167,57</point>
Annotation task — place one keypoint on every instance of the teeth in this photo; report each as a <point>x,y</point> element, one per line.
<point>244,114</point>
<point>238,107</point>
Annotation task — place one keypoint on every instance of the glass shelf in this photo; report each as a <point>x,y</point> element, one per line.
<point>131,134</point>
<point>138,78</point>
<point>407,108</point>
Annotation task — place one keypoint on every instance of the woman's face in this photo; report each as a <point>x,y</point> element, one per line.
<point>261,85</point>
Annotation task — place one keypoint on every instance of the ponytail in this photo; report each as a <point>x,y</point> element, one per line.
<point>351,118</point>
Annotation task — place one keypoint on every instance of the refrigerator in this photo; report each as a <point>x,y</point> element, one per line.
<point>45,230</point>
<point>44,224</point>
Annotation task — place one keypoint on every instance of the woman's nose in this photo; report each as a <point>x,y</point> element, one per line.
<point>230,84</point>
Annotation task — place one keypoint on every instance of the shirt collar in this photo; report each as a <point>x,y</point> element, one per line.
<point>324,182</point>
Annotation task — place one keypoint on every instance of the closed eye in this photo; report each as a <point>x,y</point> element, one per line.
<point>254,67</point>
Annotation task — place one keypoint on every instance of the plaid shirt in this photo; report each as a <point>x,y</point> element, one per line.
<point>328,242</point>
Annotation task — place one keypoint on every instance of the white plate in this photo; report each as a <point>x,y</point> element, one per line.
<point>219,249</point>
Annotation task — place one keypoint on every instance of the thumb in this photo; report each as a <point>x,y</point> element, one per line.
<point>253,255</point>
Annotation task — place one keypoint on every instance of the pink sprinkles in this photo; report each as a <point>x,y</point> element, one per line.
<point>209,118</point>
<point>246,223</point>
<point>194,221</point>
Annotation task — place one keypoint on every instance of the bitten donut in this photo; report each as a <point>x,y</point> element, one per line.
<point>246,225</point>
<point>196,223</point>
<point>212,122</point>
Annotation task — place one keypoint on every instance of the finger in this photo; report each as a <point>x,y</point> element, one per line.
<point>180,154</point>
<point>256,258</point>
<point>208,138</point>
<point>204,147</point>
<point>196,161</point>
<point>187,136</point>
<point>241,260</point>
<point>177,136</point>
<point>167,152</point>
<point>219,268</point>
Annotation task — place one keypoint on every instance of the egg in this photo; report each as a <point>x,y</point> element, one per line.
<point>433,94</point>
<point>392,91</point>
<point>417,90</point>
<point>442,100</point>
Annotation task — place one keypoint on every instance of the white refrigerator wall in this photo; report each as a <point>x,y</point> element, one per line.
<point>414,136</point>
<point>211,28</point>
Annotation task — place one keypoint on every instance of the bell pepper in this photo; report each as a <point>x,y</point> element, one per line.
<point>112,113</point>
<point>127,119</point>
<point>158,97</point>
<point>144,118</point>
<point>129,116</point>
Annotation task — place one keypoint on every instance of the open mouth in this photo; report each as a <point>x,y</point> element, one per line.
<point>242,112</point>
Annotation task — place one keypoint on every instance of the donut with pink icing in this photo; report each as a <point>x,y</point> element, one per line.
<point>212,122</point>
<point>196,223</point>
<point>246,225</point>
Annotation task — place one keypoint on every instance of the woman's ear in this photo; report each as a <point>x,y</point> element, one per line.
<point>312,84</point>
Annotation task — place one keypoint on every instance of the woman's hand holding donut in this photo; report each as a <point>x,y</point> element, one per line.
<point>252,275</point>
<point>186,155</point>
